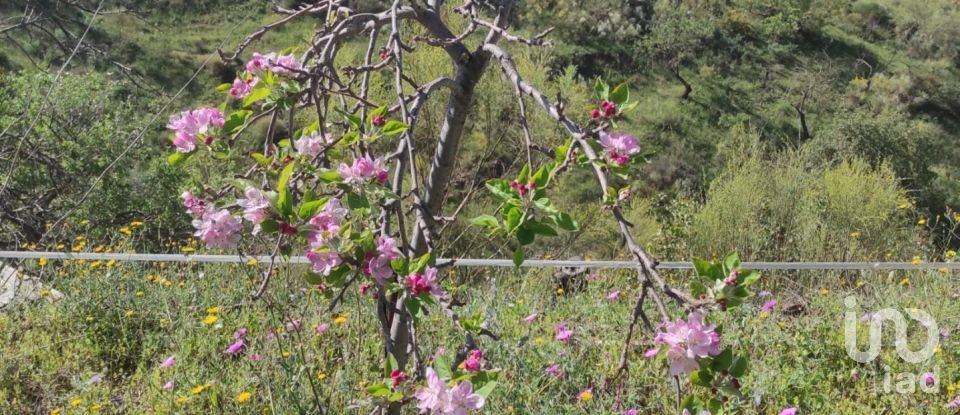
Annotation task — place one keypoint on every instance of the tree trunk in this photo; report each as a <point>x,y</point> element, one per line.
<point>687,89</point>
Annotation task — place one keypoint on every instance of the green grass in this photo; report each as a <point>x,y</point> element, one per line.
<point>121,322</point>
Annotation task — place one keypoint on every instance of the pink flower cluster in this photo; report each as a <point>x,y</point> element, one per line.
<point>255,206</point>
<point>564,333</point>
<point>436,398</point>
<point>190,126</point>
<point>377,264</point>
<point>242,88</point>
<point>609,110</point>
<point>688,341</point>
<point>215,228</point>
<point>425,283</point>
<point>218,229</point>
<point>312,144</point>
<point>472,364</point>
<point>521,188</point>
<point>619,146</point>
<point>362,170</point>
<point>326,225</point>
<point>280,65</point>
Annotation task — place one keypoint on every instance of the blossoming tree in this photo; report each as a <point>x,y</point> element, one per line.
<point>366,219</point>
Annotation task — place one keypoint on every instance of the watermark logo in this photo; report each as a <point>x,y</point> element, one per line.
<point>876,321</point>
<point>905,382</point>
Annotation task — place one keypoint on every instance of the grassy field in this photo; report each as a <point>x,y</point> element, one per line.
<point>100,349</point>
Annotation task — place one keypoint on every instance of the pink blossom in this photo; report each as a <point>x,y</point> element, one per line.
<point>613,296</point>
<point>929,379</point>
<point>195,207</point>
<point>688,341</point>
<point>955,403</point>
<point>190,126</point>
<point>324,262</point>
<point>619,146</point>
<point>294,325</point>
<point>285,64</point>
<point>553,370</point>
<point>433,397</point>
<point>218,229</point>
<point>242,88</point>
<point>732,278</point>
<point>363,169</point>
<point>96,379</point>
<point>327,222</point>
<point>255,357</point>
<point>260,62</point>
<point>378,265</point>
<point>240,333</point>
<point>168,362</point>
<point>769,305</point>
<point>397,377</point>
<point>472,364</point>
<point>632,411</point>
<point>184,142</point>
<point>255,207</point>
<point>529,319</point>
<point>650,354</point>
<point>563,333</point>
<point>463,400</point>
<point>235,348</point>
<point>169,385</point>
<point>311,145</point>
<point>789,411</point>
<point>425,283</point>
<point>322,327</point>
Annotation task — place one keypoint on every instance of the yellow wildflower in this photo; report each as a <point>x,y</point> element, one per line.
<point>136,223</point>
<point>60,248</point>
<point>44,292</point>
<point>129,313</point>
<point>824,291</point>
<point>186,249</point>
<point>285,354</point>
<point>860,284</point>
<point>96,407</point>
<point>322,376</point>
<point>950,254</point>
<point>904,205</point>
<point>84,222</point>
<point>538,340</point>
<point>904,282</point>
<point>764,315</point>
<point>76,402</point>
<point>560,291</point>
<point>943,270</point>
<point>922,221</point>
<point>213,310</point>
<point>252,261</point>
<point>586,395</point>
<point>209,320</point>
<point>55,411</point>
<point>42,262</point>
<point>916,260</point>
<point>89,318</point>
<point>126,231</point>
<point>181,400</point>
<point>139,294</point>
<point>199,389</point>
<point>341,318</point>
<point>854,234</point>
<point>244,396</point>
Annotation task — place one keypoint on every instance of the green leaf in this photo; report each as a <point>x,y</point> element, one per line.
<point>546,205</point>
<point>749,277</point>
<point>329,176</point>
<point>620,94</point>
<point>285,203</point>
<point>486,220</point>
<point>513,218</point>
<point>394,127</point>
<point>256,95</point>
<point>600,89</point>
<point>400,266</point>
<point>391,364</point>
<point>379,390</point>
<point>731,262</point>
<point>375,112</point>
<point>422,262</point>
<point>525,235</point>
<point>500,189</point>
<point>414,307</point>
<point>566,222</point>
<point>702,267</point>
<point>739,367</point>
<point>542,176</point>
<point>560,152</point>
<point>308,209</point>
<point>350,138</point>
<point>697,288</point>
<point>312,277</point>
<point>518,256</point>
<point>176,159</point>
<point>224,87</point>
<point>261,159</point>
<point>269,226</point>
<point>338,276</point>
<point>442,364</point>
<point>524,174</point>
<point>354,120</point>
<point>486,389</point>
<point>235,121</point>
<point>541,228</point>
<point>722,361</point>
<point>285,176</point>
<point>357,201</point>
<point>701,378</point>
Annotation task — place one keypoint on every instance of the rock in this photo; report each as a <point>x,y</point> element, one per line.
<point>17,287</point>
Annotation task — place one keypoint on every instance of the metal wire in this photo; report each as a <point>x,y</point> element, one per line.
<point>476,262</point>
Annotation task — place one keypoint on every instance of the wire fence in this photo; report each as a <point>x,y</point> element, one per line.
<point>480,262</point>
